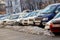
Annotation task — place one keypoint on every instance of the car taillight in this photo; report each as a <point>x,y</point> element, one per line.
<point>53,28</point>
<point>51,25</point>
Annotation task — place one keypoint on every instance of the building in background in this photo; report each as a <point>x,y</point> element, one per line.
<point>2,7</point>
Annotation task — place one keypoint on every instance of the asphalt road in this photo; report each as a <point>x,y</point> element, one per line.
<point>7,34</point>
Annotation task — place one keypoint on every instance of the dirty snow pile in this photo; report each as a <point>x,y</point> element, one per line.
<point>31,29</point>
<point>27,29</point>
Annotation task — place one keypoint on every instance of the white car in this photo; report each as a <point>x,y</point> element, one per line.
<point>27,20</point>
<point>2,19</point>
<point>11,19</point>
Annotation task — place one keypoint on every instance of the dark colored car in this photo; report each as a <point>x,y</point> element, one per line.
<point>54,24</point>
<point>47,14</point>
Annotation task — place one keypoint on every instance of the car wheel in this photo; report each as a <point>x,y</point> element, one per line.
<point>41,25</point>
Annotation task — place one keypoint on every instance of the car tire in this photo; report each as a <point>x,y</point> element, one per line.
<point>41,26</point>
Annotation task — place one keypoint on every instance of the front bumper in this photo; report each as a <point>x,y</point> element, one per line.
<point>30,21</point>
<point>10,22</point>
<point>37,21</point>
<point>47,27</point>
<point>25,22</point>
<point>44,23</point>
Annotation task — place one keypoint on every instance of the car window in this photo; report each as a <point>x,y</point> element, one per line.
<point>58,15</point>
<point>49,8</point>
<point>14,17</point>
<point>5,17</point>
<point>26,15</point>
<point>58,9</point>
<point>31,14</point>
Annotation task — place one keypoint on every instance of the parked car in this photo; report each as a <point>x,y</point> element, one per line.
<point>12,19</point>
<point>23,13</point>
<point>47,14</point>
<point>4,16</point>
<point>2,19</point>
<point>55,19</point>
<point>28,19</point>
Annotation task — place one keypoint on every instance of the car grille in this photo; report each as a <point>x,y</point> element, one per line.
<point>38,19</point>
<point>30,19</point>
<point>25,20</point>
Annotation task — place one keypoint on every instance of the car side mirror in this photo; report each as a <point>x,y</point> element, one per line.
<point>57,11</point>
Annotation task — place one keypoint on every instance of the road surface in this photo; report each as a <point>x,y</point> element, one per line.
<point>7,34</point>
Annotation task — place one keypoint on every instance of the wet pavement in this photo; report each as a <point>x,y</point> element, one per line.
<point>7,34</point>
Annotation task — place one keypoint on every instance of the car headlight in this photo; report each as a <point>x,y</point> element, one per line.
<point>45,19</point>
<point>18,20</point>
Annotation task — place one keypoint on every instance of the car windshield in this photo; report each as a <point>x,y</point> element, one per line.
<point>49,8</point>
<point>57,16</point>
<point>14,17</point>
<point>31,14</point>
<point>5,17</point>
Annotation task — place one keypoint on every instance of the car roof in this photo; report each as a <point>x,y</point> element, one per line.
<point>56,4</point>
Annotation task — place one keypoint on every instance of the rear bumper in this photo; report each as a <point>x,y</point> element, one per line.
<point>57,29</point>
<point>31,21</point>
<point>37,21</point>
<point>56,33</point>
<point>25,22</point>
